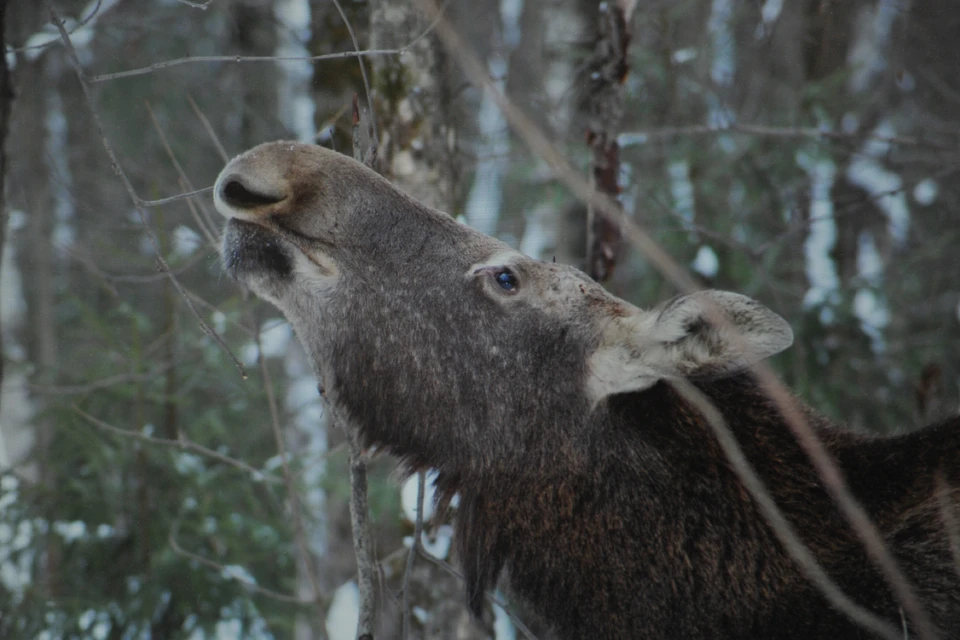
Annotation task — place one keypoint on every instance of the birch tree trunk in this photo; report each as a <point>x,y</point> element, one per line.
<point>418,141</point>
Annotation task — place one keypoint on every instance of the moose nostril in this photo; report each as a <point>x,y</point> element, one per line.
<point>237,195</point>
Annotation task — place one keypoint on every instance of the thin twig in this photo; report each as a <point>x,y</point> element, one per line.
<point>181,443</point>
<point>209,128</point>
<point>118,170</point>
<point>206,225</point>
<point>298,528</point>
<point>359,509</point>
<point>628,139</point>
<point>823,462</point>
<point>176,198</point>
<point>414,548</point>
<point>359,521</point>
<point>517,622</point>
<point>77,27</point>
<point>166,64</point>
<point>223,570</point>
<point>363,74</point>
<point>785,531</point>
<point>355,129</point>
<point>102,383</point>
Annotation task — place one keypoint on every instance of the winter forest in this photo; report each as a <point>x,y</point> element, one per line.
<point>166,467</point>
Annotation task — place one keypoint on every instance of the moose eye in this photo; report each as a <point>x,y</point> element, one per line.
<point>507,280</point>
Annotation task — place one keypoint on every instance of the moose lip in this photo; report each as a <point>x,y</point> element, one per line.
<point>250,250</point>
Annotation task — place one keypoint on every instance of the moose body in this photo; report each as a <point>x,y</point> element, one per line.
<point>546,404</point>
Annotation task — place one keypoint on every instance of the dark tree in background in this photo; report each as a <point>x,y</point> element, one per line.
<point>801,152</point>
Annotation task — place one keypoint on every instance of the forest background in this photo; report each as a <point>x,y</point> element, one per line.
<point>166,470</point>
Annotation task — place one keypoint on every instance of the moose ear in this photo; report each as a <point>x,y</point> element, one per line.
<point>707,334</point>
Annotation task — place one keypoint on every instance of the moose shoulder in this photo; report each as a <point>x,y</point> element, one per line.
<point>545,403</point>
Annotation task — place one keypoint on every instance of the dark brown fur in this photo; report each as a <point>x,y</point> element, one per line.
<point>604,497</point>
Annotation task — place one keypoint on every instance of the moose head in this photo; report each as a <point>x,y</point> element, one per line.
<point>444,345</point>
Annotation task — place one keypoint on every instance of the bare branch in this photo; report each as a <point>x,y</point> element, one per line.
<point>299,532</point>
<point>166,64</point>
<point>209,128</point>
<point>253,587</point>
<point>102,383</point>
<point>53,39</point>
<point>359,509</point>
<point>630,139</point>
<point>176,198</point>
<point>206,224</point>
<point>181,443</point>
<point>823,462</point>
<point>363,74</point>
<point>118,170</point>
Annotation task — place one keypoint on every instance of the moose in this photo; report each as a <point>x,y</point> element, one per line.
<point>549,407</point>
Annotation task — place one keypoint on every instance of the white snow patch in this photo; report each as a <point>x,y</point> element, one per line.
<point>301,392</point>
<point>886,188</point>
<point>86,619</point>
<point>275,336</point>
<point>869,262</point>
<point>70,531</point>
<point>503,628</point>
<point>871,41</point>
<point>926,191</point>
<point>185,241</point>
<point>187,463</point>
<point>101,630</point>
<point>295,14</point>
<point>721,71</point>
<point>681,56</point>
<point>408,496</point>
<point>632,139</point>
<point>344,612</point>
<point>681,188</point>
<point>706,262</point>
<point>874,316</point>
<point>438,544</point>
<point>249,354</point>
<point>219,321</point>
<point>771,11</point>
<point>229,629</point>
<point>238,573</point>
<point>822,236</point>
<point>510,12</point>
<point>869,306</point>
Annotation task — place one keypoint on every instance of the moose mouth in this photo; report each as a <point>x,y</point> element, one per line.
<point>250,251</point>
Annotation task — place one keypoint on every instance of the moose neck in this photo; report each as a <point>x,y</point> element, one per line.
<point>655,459</point>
